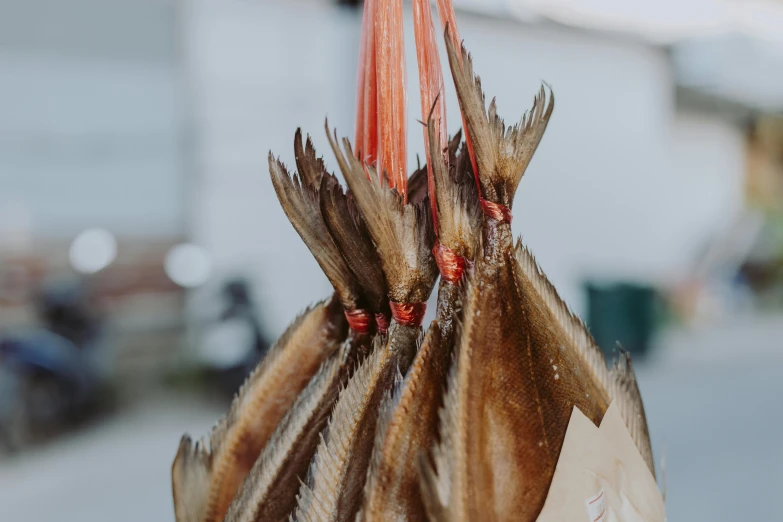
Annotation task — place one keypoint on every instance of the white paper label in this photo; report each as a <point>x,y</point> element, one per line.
<point>596,507</point>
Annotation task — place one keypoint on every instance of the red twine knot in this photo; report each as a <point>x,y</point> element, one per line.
<point>382,322</point>
<point>496,211</point>
<point>451,265</point>
<point>408,314</point>
<point>359,320</point>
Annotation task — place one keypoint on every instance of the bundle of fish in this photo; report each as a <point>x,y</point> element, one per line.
<point>356,413</point>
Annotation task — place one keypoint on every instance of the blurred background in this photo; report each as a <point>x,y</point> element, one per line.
<point>145,264</point>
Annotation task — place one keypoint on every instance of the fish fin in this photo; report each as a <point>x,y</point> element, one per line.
<point>573,327</point>
<point>619,383</point>
<point>233,438</point>
<point>402,232</point>
<point>455,142</point>
<point>385,417</point>
<point>407,426</point>
<point>429,481</point>
<point>292,444</point>
<point>310,167</point>
<point>438,468</point>
<point>459,212</point>
<point>502,153</point>
<point>300,203</point>
<point>332,482</point>
<point>349,233</point>
<point>218,432</point>
<point>629,402</point>
<point>190,479</point>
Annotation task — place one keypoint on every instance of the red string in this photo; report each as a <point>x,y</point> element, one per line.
<point>496,211</point>
<point>359,320</point>
<point>382,322</point>
<point>451,265</point>
<point>408,314</point>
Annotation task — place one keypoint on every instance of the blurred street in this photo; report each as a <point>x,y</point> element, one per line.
<point>719,427</point>
<point>119,469</point>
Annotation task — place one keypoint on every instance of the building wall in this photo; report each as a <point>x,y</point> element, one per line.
<point>709,160</point>
<point>89,132</point>
<point>260,70</point>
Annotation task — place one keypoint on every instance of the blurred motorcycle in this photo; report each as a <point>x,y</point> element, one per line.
<point>234,342</point>
<point>50,376</point>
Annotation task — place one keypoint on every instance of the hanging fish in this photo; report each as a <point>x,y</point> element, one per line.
<point>463,423</point>
<point>524,361</point>
<point>401,228</point>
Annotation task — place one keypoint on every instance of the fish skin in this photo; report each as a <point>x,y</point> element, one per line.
<point>237,440</point>
<point>269,491</point>
<point>335,488</point>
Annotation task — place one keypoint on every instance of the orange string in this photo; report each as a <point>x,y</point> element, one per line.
<point>359,320</point>
<point>451,265</point>
<point>496,211</point>
<point>408,314</point>
<point>449,19</point>
<point>367,90</point>
<point>431,87</point>
<point>392,130</point>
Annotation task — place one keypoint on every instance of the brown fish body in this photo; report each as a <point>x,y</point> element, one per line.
<point>520,370</point>
<point>515,387</point>
<point>238,439</point>
<point>408,430</point>
<point>410,426</point>
<point>269,492</point>
<point>340,465</point>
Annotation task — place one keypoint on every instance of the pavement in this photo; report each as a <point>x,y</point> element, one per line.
<point>718,422</point>
<point>118,469</point>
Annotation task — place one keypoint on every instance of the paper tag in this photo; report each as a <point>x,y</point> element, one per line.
<point>596,507</point>
<point>601,474</point>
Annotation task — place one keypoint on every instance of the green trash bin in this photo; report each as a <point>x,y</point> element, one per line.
<point>622,312</point>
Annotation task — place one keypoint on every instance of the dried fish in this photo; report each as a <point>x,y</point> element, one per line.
<point>465,425</point>
<point>524,361</point>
